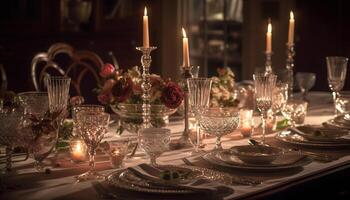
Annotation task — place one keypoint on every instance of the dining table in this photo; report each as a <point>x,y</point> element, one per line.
<point>321,176</point>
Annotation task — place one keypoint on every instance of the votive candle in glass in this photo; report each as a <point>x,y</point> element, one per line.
<point>78,150</point>
<point>246,122</point>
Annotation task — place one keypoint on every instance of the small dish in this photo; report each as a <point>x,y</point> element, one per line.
<point>322,134</point>
<point>256,154</point>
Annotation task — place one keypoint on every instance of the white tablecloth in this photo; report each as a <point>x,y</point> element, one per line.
<point>60,184</point>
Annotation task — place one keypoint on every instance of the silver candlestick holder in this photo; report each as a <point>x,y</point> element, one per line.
<point>186,73</point>
<point>290,67</point>
<point>146,60</point>
<point>268,62</point>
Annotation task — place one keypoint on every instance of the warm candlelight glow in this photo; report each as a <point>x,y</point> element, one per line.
<point>185,50</point>
<point>78,150</point>
<point>269,38</point>
<point>145,30</point>
<point>269,28</point>
<point>184,33</point>
<point>291,29</point>
<point>246,122</point>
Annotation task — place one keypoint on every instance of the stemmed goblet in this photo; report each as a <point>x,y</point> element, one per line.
<point>84,108</point>
<point>336,68</point>
<point>154,141</point>
<point>199,96</point>
<point>264,85</point>
<point>219,122</point>
<point>92,127</point>
<point>35,103</point>
<point>305,82</point>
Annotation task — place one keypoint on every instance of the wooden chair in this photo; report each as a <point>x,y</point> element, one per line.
<point>3,75</point>
<point>63,59</point>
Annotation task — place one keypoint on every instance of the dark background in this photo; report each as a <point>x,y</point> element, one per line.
<point>31,26</point>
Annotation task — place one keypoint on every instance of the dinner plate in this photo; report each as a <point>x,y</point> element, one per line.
<point>293,138</point>
<point>322,134</point>
<point>127,180</point>
<point>235,163</point>
<point>341,121</point>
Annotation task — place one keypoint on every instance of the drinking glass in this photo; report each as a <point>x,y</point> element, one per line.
<point>58,92</point>
<point>336,68</point>
<point>199,96</point>
<point>219,122</point>
<point>9,122</point>
<point>279,99</point>
<point>264,85</point>
<point>343,103</point>
<point>35,103</point>
<point>295,111</point>
<point>118,149</point>
<point>92,127</point>
<point>305,82</point>
<point>154,141</point>
<point>84,107</point>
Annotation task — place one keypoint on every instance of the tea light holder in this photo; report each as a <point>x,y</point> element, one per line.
<point>78,150</point>
<point>117,152</point>
<point>246,122</point>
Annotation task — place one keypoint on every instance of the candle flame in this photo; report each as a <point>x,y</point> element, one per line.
<point>291,15</point>
<point>269,28</point>
<point>184,33</point>
<point>145,12</point>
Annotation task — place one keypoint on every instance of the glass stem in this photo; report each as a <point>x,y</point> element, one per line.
<point>335,97</point>
<point>92,159</point>
<point>263,120</point>
<point>198,137</point>
<point>218,143</point>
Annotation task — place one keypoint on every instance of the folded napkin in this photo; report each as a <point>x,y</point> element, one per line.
<point>214,189</point>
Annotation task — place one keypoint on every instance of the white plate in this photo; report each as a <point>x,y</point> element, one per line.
<point>296,139</point>
<point>237,164</point>
<point>125,179</point>
<point>321,134</point>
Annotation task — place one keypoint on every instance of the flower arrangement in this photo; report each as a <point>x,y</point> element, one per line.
<point>125,87</point>
<point>223,89</point>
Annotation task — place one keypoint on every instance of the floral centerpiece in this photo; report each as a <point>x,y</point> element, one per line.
<point>122,91</point>
<point>223,91</point>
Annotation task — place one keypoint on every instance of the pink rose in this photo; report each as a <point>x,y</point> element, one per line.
<point>107,70</point>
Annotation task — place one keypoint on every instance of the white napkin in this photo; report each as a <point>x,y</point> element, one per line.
<point>214,189</point>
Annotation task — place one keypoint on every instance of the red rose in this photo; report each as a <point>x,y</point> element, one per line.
<point>107,70</point>
<point>122,89</point>
<point>172,95</point>
<point>76,100</point>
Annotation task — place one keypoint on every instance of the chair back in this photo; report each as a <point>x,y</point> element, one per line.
<point>81,66</point>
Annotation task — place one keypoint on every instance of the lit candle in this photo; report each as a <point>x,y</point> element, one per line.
<point>78,151</point>
<point>246,122</point>
<point>145,30</point>
<point>185,50</point>
<point>269,38</point>
<point>291,29</point>
<point>116,158</point>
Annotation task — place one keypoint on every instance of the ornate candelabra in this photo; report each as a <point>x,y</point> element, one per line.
<point>186,73</point>
<point>290,66</point>
<point>268,62</point>
<point>146,84</point>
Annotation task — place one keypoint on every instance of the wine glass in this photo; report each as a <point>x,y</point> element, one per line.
<point>305,82</point>
<point>336,68</point>
<point>92,127</point>
<point>35,103</point>
<point>199,96</point>
<point>264,85</point>
<point>9,122</point>
<point>154,141</point>
<point>58,93</point>
<point>295,111</point>
<point>219,122</point>
<point>84,108</point>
